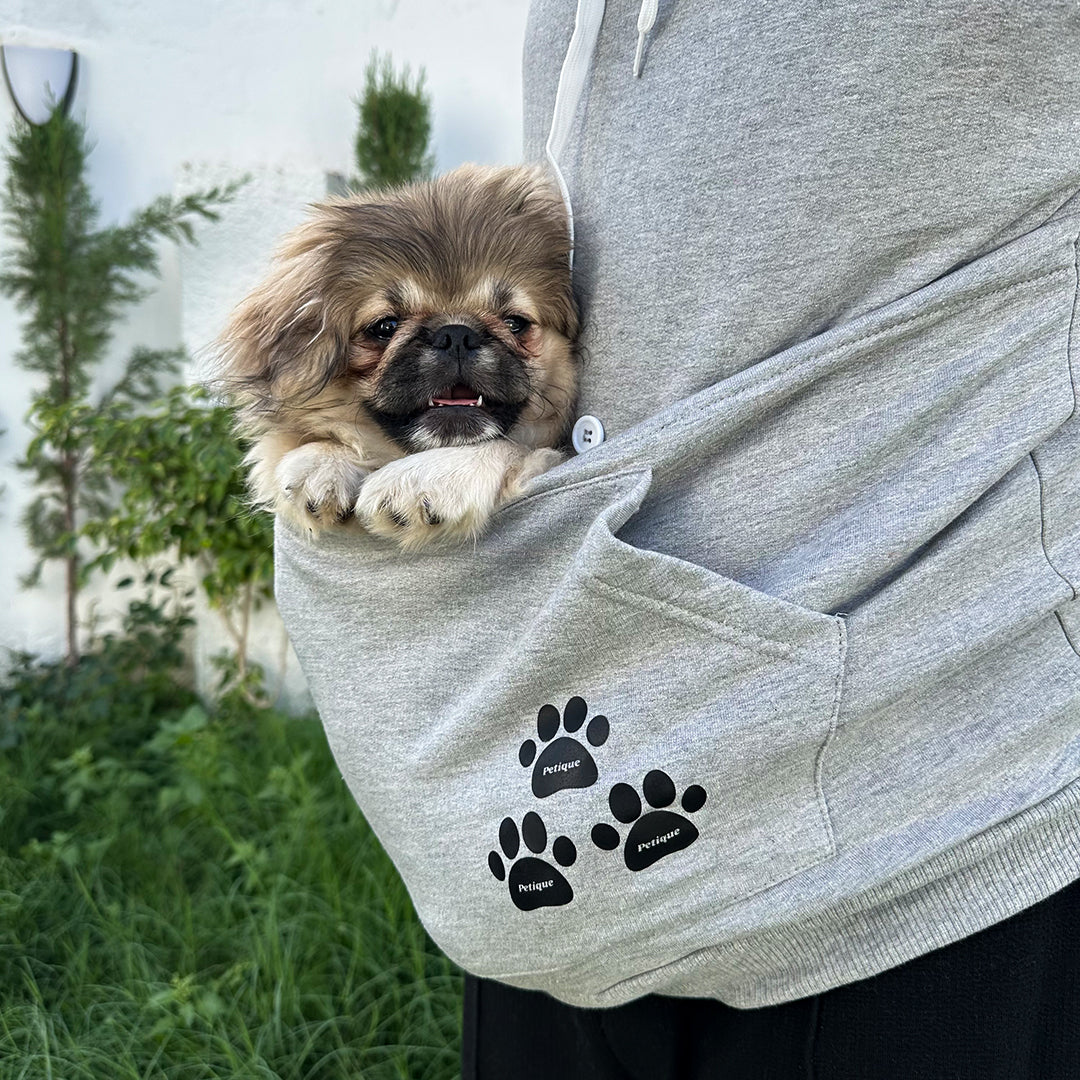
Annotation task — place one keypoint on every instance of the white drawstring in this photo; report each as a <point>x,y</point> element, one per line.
<point>575,70</point>
<point>646,18</point>
<point>572,78</point>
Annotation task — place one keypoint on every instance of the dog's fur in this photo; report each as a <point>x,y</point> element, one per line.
<point>474,270</point>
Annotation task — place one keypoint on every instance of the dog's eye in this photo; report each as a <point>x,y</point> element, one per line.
<point>516,323</point>
<point>383,329</point>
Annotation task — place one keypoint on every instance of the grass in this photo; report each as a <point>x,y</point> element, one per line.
<point>192,894</point>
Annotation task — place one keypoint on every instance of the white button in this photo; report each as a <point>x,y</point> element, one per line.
<point>588,432</point>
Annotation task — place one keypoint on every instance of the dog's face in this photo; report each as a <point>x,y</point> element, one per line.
<point>441,366</point>
<point>439,314</point>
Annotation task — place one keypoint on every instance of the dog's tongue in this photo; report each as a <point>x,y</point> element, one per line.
<point>459,395</point>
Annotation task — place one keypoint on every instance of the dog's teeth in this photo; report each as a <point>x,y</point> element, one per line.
<point>480,400</point>
<point>431,403</point>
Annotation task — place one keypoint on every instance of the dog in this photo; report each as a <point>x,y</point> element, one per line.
<point>410,362</point>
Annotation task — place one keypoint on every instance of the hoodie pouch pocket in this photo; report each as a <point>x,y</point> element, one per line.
<point>573,749</point>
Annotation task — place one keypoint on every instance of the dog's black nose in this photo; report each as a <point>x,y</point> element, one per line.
<point>456,340</point>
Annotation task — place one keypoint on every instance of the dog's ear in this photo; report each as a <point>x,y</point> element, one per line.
<point>283,345</point>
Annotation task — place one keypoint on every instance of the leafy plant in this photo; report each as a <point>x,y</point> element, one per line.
<point>392,141</point>
<point>181,492</point>
<point>73,280</point>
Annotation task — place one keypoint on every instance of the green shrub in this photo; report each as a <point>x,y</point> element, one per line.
<point>181,495</point>
<point>393,137</point>
<point>193,894</point>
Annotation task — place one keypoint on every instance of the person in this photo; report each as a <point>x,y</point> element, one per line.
<point>803,610</point>
<point>882,198</point>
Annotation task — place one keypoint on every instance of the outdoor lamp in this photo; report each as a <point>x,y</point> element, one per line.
<point>39,80</point>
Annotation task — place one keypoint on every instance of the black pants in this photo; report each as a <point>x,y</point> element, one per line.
<point>1003,1004</point>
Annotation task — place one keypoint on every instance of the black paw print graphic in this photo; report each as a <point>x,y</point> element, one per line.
<point>564,763</point>
<point>533,882</point>
<point>656,834</point>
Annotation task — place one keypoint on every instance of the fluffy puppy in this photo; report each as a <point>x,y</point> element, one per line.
<point>409,363</point>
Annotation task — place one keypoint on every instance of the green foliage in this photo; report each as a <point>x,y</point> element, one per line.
<point>72,280</point>
<point>192,893</point>
<point>395,127</point>
<point>178,492</point>
<point>181,489</point>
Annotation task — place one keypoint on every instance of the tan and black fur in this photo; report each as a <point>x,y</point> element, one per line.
<point>381,305</point>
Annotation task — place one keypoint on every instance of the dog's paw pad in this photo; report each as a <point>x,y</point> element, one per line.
<point>533,882</point>
<point>564,762</point>
<point>657,833</point>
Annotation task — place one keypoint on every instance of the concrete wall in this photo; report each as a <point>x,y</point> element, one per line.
<point>179,95</point>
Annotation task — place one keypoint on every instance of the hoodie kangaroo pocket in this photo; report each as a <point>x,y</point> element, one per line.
<point>569,746</point>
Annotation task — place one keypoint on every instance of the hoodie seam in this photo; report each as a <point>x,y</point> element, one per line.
<point>1031,453</point>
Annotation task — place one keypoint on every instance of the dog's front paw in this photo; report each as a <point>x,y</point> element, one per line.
<point>436,495</point>
<point>318,484</point>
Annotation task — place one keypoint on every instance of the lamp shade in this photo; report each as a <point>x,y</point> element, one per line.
<point>39,80</point>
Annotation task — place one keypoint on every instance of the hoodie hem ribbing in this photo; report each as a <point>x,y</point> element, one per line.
<point>991,877</point>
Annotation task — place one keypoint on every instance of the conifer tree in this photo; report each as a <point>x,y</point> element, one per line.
<point>392,141</point>
<point>73,280</point>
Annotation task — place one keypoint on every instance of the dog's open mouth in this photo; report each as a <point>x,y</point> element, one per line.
<point>459,394</point>
<point>456,414</point>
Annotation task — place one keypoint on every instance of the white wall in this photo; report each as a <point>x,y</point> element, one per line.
<point>178,94</point>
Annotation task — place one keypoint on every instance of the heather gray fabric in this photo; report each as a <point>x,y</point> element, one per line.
<point>818,583</point>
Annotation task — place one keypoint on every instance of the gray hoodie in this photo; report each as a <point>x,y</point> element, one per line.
<point>777,685</point>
